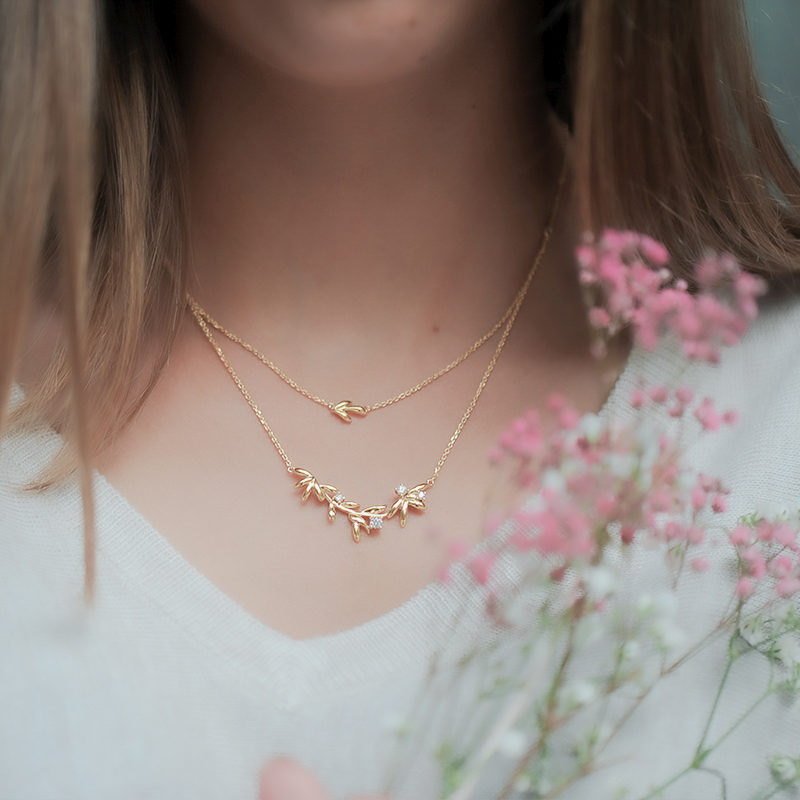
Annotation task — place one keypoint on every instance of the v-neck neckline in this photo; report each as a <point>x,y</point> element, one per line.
<point>295,671</point>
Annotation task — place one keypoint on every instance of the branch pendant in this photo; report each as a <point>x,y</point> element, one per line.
<point>362,520</point>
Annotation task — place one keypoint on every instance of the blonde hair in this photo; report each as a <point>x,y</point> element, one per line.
<point>671,137</point>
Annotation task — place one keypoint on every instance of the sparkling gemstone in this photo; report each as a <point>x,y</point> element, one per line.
<point>338,497</point>
<point>375,522</point>
<point>421,495</point>
<point>401,490</point>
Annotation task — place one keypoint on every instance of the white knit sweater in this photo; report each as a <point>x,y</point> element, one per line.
<point>166,689</point>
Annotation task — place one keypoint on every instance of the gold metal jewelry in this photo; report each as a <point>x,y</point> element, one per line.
<point>345,410</point>
<point>370,520</point>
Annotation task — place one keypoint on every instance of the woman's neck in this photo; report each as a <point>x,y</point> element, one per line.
<point>382,209</point>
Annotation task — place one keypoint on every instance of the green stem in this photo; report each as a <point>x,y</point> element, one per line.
<point>775,789</point>
<point>710,719</point>
<point>711,749</point>
<point>741,719</point>
<point>547,714</point>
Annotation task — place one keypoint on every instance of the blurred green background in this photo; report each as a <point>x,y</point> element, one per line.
<point>775,25</point>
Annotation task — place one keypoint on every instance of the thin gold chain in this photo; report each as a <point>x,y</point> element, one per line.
<point>499,349</point>
<point>371,519</point>
<point>243,389</point>
<point>199,312</point>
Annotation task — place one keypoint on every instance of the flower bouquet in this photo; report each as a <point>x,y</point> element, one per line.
<point>620,587</point>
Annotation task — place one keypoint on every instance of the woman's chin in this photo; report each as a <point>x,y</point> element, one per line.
<point>346,43</point>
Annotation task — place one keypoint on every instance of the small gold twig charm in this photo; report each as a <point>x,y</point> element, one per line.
<point>362,520</point>
<point>345,408</point>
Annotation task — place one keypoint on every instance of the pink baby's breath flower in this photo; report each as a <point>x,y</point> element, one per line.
<point>684,394</point>
<point>568,418</point>
<point>658,394</point>
<point>787,586</point>
<point>677,410</point>
<point>695,535</point>
<point>731,417</point>
<point>654,251</point>
<point>707,415</point>
<point>741,535</point>
<point>481,566</point>
<point>628,284</point>
<point>638,399</point>
<point>457,549</point>
<point>719,504</point>
<point>627,533</point>
<point>492,523</point>
<point>700,564</point>
<point>765,531</point>
<point>754,560</point>
<point>606,504</point>
<point>599,318</point>
<point>744,588</point>
<point>699,498</point>
<point>781,566</point>
<point>785,535</point>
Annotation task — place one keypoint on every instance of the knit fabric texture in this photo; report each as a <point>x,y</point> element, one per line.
<point>166,689</point>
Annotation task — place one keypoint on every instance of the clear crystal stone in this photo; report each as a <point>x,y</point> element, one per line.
<point>375,522</point>
<point>421,495</point>
<point>338,497</point>
<point>401,490</point>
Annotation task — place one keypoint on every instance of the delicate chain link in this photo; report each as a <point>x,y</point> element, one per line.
<point>243,389</point>
<point>203,320</point>
<point>514,310</point>
<point>201,312</point>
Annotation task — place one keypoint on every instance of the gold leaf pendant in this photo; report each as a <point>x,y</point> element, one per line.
<point>362,520</point>
<point>345,408</point>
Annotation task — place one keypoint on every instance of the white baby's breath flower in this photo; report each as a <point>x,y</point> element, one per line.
<point>648,437</point>
<point>787,650</point>
<point>668,635</point>
<point>783,769</point>
<point>767,510</point>
<point>513,744</point>
<point>663,605</point>
<point>591,426</point>
<point>791,683</point>
<point>600,582</point>
<point>622,465</point>
<point>534,503</point>
<point>553,480</point>
<point>645,606</point>
<point>752,631</point>
<point>579,693</point>
<point>516,611</point>
<point>630,651</point>
<point>782,611</point>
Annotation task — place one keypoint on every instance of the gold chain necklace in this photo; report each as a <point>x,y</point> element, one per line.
<point>370,520</point>
<point>345,410</point>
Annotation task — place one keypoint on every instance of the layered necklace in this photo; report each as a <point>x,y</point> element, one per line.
<point>370,519</point>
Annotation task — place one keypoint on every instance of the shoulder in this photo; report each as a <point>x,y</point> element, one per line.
<point>759,378</point>
<point>41,531</point>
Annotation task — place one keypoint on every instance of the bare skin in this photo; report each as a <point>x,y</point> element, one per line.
<point>362,233</point>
